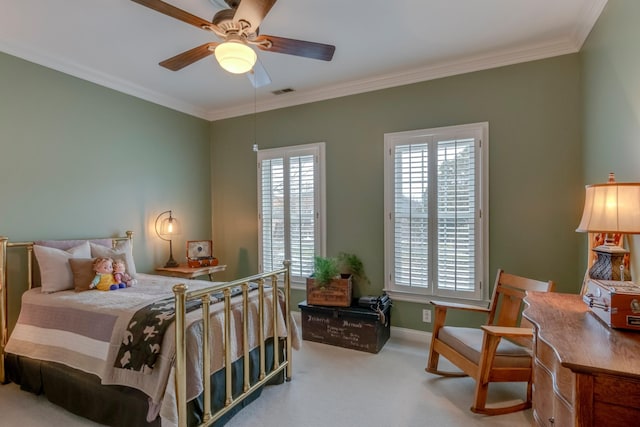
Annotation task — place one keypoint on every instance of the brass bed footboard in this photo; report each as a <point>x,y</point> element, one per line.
<point>277,282</point>
<point>182,295</point>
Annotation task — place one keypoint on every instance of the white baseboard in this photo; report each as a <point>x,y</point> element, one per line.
<point>423,337</point>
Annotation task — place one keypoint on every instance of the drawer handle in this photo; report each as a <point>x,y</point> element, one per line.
<point>551,420</point>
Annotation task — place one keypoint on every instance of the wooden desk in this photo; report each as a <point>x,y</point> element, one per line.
<point>186,272</point>
<point>585,373</point>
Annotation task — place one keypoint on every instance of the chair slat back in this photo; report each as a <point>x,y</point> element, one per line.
<point>508,293</point>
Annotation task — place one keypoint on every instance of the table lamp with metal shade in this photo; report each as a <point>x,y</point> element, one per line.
<point>166,229</point>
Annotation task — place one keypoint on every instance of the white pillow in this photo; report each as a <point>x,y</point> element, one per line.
<point>122,251</point>
<point>55,272</point>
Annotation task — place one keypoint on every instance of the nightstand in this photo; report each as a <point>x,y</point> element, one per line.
<point>186,272</point>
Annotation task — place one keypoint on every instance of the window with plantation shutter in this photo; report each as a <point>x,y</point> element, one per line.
<point>291,215</point>
<point>435,220</point>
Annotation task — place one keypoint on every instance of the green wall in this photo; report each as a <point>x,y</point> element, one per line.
<point>611,70</point>
<point>78,160</point>
<point>534,115</point>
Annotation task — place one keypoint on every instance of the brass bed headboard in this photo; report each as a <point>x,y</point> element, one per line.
<point>5,245</point>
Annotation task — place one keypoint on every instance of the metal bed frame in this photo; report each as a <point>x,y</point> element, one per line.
<point>182,295</point>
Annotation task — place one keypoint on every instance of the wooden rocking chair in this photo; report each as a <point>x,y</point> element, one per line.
<point>480,352</point>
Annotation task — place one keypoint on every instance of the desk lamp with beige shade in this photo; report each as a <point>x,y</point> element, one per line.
<point>612,209</point>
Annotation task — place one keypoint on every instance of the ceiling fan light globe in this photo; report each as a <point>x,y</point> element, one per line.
<point>235,57</point>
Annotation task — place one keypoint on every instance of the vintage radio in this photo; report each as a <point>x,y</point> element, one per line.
<point>616,303</point>
<point>202,262</point>
<point>200,254</point>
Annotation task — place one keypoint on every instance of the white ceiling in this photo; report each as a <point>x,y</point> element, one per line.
<point>379,44</point>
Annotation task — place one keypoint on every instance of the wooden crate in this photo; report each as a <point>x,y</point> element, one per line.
<point>336,294</point>
<point>356,328</point>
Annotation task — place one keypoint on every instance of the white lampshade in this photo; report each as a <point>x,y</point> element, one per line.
<point>613,207</point>
<point>235,56</point>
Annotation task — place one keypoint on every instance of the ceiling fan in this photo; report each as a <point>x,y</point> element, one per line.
<point>238,26</point>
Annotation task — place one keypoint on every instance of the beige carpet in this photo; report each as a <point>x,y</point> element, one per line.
<point>337,387</point>
<point>333,387</point>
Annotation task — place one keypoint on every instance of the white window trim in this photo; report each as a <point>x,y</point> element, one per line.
<point>482,263</point>
<point>318,149</point>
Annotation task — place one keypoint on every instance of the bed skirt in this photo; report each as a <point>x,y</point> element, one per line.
<point>118,406</point>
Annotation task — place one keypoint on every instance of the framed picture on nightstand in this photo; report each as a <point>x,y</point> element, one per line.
<point>199,249</point>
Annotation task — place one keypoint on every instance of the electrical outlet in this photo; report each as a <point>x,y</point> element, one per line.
<point>426,315</point>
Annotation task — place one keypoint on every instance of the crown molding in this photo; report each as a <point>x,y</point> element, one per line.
<point>572,44</point>
<point>470,64</point>
<point>94,76</point>
<point>587,21</point>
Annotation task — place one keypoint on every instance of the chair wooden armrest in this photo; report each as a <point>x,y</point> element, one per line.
<point>522,336</point>
<point>505,331</point>
<point>458,306</point>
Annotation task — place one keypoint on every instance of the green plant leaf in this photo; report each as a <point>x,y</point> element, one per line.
<point>325,269</point>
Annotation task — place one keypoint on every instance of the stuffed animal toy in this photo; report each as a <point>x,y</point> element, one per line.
<point>123,279</point>
<point>103,280</point>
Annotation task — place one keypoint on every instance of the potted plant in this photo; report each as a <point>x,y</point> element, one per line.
<point>332,281</point>
<point>325,270</point>
<point>352,264</point>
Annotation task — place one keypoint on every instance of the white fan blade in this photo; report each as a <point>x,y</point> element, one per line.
<point>258,76</point>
